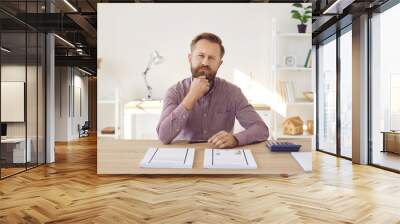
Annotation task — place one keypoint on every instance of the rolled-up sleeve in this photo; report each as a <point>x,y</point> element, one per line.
<point>255,128</point>
<point>173,117</point>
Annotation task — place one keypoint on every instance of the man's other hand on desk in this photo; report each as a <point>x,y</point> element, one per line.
<point>223,139</point>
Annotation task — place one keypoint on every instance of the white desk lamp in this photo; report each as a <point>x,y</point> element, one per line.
<point>155,59</point>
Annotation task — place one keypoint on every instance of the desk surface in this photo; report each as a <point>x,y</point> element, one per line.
<point>123,157</point>
<point>157,104</point>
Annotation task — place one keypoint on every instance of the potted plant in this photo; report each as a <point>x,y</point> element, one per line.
<point>302,14</point>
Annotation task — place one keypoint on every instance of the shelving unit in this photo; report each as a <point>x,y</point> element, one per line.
<point>298,45</point>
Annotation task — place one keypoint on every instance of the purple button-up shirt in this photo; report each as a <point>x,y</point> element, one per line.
<point>214,112</point>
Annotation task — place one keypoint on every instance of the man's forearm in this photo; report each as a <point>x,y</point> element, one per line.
<point>256,133</point>
<point>189,101</point>
<point>170,125</point>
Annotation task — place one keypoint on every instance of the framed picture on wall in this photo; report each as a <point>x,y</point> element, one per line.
<point>13,101</point>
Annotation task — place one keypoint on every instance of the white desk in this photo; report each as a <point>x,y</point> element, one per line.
<point>141,118</point>
<point>18,151</point>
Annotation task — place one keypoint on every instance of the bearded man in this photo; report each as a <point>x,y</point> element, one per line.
<point>204,107</point>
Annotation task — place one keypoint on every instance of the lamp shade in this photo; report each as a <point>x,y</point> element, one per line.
<point>156,58</point>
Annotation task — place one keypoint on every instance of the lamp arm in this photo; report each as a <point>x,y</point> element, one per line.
<point>147,83</point>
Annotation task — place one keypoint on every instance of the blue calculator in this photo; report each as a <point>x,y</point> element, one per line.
<point>276,146</point>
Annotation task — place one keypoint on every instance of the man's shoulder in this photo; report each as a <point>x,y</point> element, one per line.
<point>228,85</point>
<point>181,86</point>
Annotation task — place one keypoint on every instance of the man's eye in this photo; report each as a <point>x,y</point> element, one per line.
<point>201,55</point>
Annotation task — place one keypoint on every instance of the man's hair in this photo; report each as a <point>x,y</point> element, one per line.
<point>210,37</point>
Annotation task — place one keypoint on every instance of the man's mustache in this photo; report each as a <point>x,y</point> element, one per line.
<point>202,67</point>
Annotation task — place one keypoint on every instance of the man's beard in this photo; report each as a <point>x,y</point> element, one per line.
<point>204,71</point>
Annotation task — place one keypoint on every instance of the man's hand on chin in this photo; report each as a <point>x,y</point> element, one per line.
<point>223,139</point>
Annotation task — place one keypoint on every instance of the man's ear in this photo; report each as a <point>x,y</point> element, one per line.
<point>190,58</point>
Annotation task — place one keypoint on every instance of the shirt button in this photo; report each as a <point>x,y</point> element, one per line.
<point>204,115</point>
<point>204,131</point>
<point>177,129</point>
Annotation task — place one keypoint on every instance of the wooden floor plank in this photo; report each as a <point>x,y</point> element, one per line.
<point>70,191</point>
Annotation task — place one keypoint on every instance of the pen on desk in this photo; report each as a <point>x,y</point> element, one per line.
<point>198,141</point>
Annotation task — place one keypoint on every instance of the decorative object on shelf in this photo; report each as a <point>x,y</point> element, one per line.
<point>302,14</point>
<point>310,127</point>
<point>155,59</point>
<point>293,126</point>
<point>289,60</point>
<point>309,95</point>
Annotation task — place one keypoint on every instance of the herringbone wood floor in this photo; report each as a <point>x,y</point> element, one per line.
<point>69,191</point>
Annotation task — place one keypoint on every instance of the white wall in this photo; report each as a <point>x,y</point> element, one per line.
<point>68,82</point>
<point>128,33</point>
<point>79,117</point>
<point>61,103</point>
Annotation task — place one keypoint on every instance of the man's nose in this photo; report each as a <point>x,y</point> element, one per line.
<point>205,61</point>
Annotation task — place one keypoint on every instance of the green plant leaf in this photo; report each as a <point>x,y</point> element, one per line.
<point>298,5</point>
<point>295,12</point>
<point>305,18</point>
<point>295,16</point>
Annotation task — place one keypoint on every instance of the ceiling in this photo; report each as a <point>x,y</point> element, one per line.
<point>329,16</point>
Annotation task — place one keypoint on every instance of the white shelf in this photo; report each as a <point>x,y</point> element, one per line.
<point>282,68</point>
<point>294,34</point>
<point>282,136</point>
<point>301,103</point>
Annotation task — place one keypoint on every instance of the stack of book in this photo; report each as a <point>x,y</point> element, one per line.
<point>286,89</point>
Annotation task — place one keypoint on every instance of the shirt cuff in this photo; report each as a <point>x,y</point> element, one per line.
<point>241,138</point>
<point>181,111</point>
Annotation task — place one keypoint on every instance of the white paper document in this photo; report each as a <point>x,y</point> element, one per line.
<point>229,159</point>
<point>168,158</point>
<point>304,159</point>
